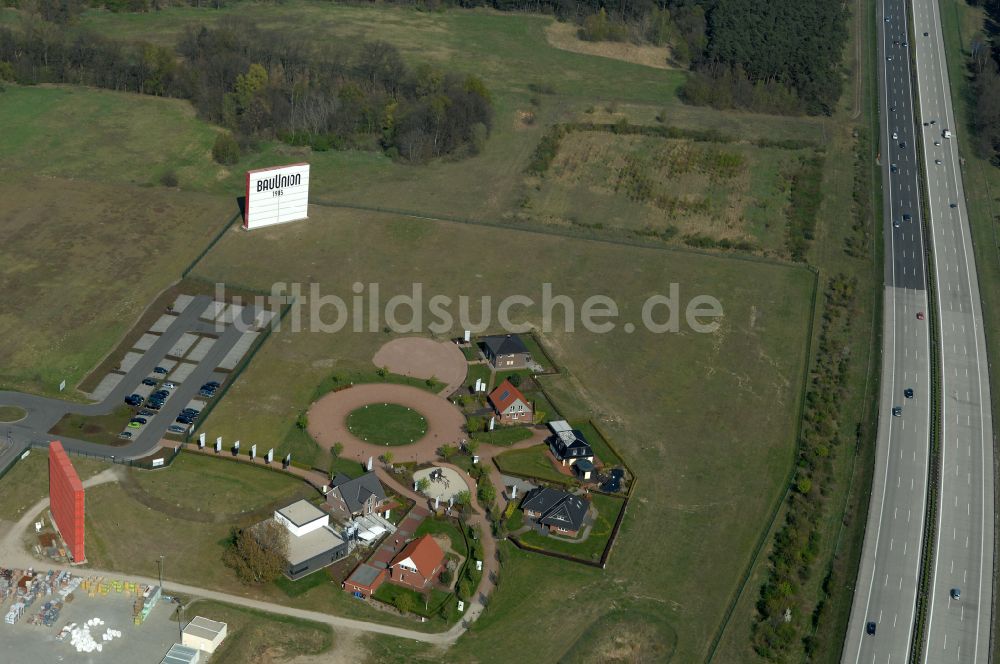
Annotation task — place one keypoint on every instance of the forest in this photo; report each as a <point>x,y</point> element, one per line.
<point>262,85</point>
<point>985,72</point>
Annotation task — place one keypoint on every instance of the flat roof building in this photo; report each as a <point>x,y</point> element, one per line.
<point>204,634</point>
<point>181,654</point>
<point>312,543</point>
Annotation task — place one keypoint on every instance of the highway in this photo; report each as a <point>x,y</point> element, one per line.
<point>960,601</point>
<point>958,630</point>
<point>886,588</point>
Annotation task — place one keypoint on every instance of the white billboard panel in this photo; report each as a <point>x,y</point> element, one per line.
<point>276,195</point>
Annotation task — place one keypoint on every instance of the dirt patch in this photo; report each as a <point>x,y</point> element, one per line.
<point>424,358</point>
<point>564,36</point>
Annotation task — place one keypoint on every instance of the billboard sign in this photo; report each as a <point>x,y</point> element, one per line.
<point>276,195</point>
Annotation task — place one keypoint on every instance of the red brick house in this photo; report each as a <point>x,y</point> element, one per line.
<point>418,564</point>
<point>510,405</point>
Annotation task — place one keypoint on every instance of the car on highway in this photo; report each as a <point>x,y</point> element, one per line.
<point>908,393</point>
<point>897,411</point>
<point>907,217</point>
<point>892,108</point>
<point>937,161</point>
<point>159,370</point>
<point>933,121</point>
<point>937,142</point>
<point>125,434</point>
<point>902,144</point>
<point>893,168</point>
<point>956,594</point>
<point>895,135</point>
<point>889,58</point>
<point>953,205</point>
<point>925,34</point>
<point>149,381</point>
<point>895,223</point>
<point>920,315</point>
<point>870,628</point>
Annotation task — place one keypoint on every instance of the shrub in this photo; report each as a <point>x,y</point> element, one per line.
<point>226,150</point>
<point>169,179</point>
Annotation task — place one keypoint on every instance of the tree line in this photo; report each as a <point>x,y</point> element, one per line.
<point>985,78</point>
<point>263,84</point>
<point>779,56</point>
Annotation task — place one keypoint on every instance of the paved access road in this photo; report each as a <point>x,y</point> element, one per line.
<point>886,589</point>
<point>958,630</point>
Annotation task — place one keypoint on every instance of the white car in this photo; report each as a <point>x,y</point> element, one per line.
<point>937,161</point>
<point>895,135</point>
<point>168,386</point>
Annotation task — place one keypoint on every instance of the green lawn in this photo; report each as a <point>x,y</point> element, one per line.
<point>11,413</point>
<point>203,483</point>
<point>600,446</point>
<point>348,467</point>
<point>103,429</point>
<point>422,606</point>
<point>28,481</point>
<point>444,527</point>
<point>387,424</point>
<point>477,371</point>
<point>531,462</point>
<point>502,435</point>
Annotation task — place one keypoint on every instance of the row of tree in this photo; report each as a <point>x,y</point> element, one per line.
<point>265,84</point>
<point>985,74</point>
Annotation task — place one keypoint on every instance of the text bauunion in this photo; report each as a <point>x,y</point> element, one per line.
<point>279,181</point>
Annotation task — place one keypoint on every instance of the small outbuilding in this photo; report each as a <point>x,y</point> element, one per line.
<point>181,654</point>
<point>204,634</point>
<point>583,469</point>
<point>365,580</point>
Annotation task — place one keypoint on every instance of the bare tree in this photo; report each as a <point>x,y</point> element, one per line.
<point>259,553</point>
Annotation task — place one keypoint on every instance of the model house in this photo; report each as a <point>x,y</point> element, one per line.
<point>361,496</point>
<point>568,445</point>
<point>557,510</point>
<point>510,405</point>
<point>418,564</point>
<point>506,351</point>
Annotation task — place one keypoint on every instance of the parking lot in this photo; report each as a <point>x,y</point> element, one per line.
<point>139,644</point>
<point>194,345</point>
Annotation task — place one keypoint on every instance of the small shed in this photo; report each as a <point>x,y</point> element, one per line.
<point>181,654</point>
<point>204,634</point>
<point>583,468</point>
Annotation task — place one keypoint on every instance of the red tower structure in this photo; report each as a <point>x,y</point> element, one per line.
<point>66,500</point>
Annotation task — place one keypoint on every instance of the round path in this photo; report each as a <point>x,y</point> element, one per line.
<point>424,358</point>
<point>328,420</point>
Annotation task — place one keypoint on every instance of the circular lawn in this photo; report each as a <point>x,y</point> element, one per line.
<point>387,424</point>
<point>11,413</point>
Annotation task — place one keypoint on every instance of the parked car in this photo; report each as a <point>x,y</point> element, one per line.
<point>134,425</point>
<point>140,420</point>
<point>125,434</point>
<point>159,370</point>
<point>176,428</point>
<point>146,413</point>
<point>169,386</point>
<point>149,381</point>
<point>133,400</point>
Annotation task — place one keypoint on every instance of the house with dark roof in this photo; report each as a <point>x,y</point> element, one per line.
<point>568,445</point>
<point>556,510</point>
<point>355,497</point>
<point>418,564</point>
<point>510,405</point>
<point>506,351</point>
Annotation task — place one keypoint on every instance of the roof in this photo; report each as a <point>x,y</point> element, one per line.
<point>301,512</point>
<point>364,575</point>
<point>504,344</point>
<point>584,465</point>
<point>571,443</point>
<point>180,654</point>
<point>505,395</point>
<point>310,545</point>
<point>357,491</point>
<point>557,508</point>
<point>559,425</point>
<point>204,628</point>
<point>424,552</point>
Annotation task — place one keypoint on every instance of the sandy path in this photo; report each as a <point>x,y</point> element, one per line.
<point>424,358</point>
